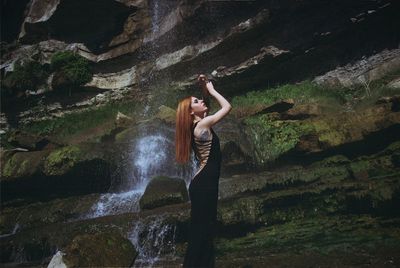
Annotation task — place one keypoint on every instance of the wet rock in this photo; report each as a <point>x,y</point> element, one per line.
<point>274,138</point>
<point>123,120</point>
<point>258,109</point>
<point>394,100</point>
<point>28,141</point>
<point>115,80</point>
<point>19,216</point>
<point>51,173</point>
<point>166,114</point>
<point>162,191</point>
<point>394,83</point>
<point>236,148</point>
<point>4,126</point>
<point>22,165</point>
<point>99,249</point>
<point>302,111</point>
<point>241,211</point>
<point>363,71</point>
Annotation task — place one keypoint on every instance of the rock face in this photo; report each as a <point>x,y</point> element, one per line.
<point>251,43</point>
<point>301,160</point>
<point>362,72</point>
<point>101,249</point>
<point>163,191</point>
<point>59,172</point>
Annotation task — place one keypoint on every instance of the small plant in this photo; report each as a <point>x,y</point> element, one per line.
<point>71,70</point>
<point>26,76</point>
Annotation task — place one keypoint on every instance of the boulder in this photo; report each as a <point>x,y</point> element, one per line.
<point>166,114</point>
<point>22,164</point>
<point>99,249</point>
<point>162,191</point>
<point>75,169</point>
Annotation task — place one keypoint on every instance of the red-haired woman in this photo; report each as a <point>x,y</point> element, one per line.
<point>193,131</point>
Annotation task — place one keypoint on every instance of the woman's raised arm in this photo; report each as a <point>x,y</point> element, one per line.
<point>226,107</point>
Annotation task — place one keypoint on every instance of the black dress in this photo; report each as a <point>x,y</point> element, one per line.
<point>203,193</point>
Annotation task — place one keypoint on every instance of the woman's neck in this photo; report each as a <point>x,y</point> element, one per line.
<point>197,118</point>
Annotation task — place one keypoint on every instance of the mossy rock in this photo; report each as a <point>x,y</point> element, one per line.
<point>77,169</point>
<point>166,114</point>
<point>245,211</point>
<point>22,165</point>
<point>100,250</point>
<point>162,191</point>
<point>61,160</point>
<point>273,138</point>
<point>27,140</point>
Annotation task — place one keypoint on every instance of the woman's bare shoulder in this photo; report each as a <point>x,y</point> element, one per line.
<point>201,132</point>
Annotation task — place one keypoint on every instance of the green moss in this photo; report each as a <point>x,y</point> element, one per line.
<point>9,167</point>
<point>62,159</point>
<point>393,147</point>
<point>328,132</point>
<point>273,138</point>
<point>318,234</point>
<point>27,76</point>
<point>332,161</point>
<point>372,167</point>
<point>75,68</point>
<point>14,167</point>
<point>304,92</point>
<point>74,123</point>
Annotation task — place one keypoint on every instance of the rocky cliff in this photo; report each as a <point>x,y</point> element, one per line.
<point>310,150</point>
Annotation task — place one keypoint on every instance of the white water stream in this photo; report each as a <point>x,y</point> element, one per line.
<point>151,153</point>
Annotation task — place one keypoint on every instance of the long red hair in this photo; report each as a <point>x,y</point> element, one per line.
<point>183,131</point>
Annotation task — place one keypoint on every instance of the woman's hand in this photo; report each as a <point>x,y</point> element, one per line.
<point>210,87</point>
<point>202,79</point>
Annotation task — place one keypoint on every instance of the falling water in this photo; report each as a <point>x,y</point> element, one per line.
<point>149,154</point>
<point>152,239</point>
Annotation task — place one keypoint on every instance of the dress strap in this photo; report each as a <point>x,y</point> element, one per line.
<point>194,125</point>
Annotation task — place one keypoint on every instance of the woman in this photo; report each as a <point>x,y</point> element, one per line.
<point>193,130</point>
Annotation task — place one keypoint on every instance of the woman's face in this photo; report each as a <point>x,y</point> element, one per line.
<point>198,106</point>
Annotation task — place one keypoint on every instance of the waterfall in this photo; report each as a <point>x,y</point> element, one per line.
<point>150,153</point>
<point>152,239</point>
<point>148,156</point>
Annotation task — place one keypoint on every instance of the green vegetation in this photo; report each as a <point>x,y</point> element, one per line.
<point>73,123</point>
<point>304,92</point>
<point>317,234</point>
<point>71,69</point>
<point>272,137</point>
<point>62,159</point>
<point>27,76</point>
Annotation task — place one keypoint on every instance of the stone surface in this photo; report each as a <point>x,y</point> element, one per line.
<point>123,120</point>
<point>99,249</point>
<point>362,72</point>
<point>162,191</point>
<point>395,83</point>
<point>57,172</point>
<point>166,114</point>
<point>28,141</point>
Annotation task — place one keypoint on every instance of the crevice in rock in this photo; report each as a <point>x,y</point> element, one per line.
<point>92,22</point>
